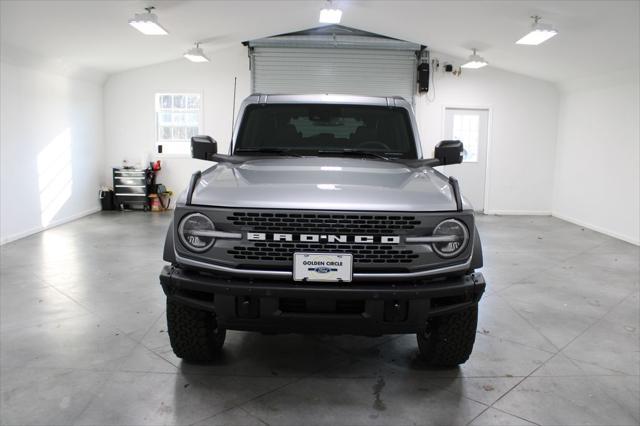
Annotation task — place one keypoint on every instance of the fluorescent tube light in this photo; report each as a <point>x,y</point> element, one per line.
<point>539,33</point>
<point>196,54</point>
<point>330,15</point>
<point>147,23</point>
<point>475,61</point>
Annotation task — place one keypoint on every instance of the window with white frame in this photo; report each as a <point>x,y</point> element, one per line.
<point>466,128</point>
<point>178,118</point>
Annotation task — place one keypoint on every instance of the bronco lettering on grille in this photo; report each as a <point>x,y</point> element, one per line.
<point>325,238</point>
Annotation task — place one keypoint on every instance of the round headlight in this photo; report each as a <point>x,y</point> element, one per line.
<point>195,232</point>
<point>454,238</point>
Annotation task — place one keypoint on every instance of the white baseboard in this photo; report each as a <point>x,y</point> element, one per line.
<point>518,212</point>
<point>53,224</point>
<point>596,228</point>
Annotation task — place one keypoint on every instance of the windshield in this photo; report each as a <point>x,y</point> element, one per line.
<point>320,129</point>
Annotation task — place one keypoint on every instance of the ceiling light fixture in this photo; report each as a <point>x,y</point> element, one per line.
<point>539,33</point>
<point>329,15</point>
<point>147,23</point>
<point>475,61</point>
<point>196,54</point>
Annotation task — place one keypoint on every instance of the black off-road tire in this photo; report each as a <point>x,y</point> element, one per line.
<point>448,339</point>
<point>194,334</point>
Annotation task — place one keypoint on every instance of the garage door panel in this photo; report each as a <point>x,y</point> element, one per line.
<point>374,72</point>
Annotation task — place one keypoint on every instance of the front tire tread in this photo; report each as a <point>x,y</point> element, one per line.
<point>448,339</point>
<point>194,334</point>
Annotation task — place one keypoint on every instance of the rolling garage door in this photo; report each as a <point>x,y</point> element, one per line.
<point>344,65</point>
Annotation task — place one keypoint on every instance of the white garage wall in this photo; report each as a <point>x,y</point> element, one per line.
<point>130,110</point>
<point>596,184</point>
<point>523,132</point>
<point>523,128</point>
<point>50,149</point>
<point>597,176</point>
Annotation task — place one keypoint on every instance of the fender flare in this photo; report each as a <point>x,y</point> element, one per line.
<point>169,254</point>
<point>476,256</point>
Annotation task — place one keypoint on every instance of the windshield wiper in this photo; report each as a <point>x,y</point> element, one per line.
<point>281,151</point>
<point>358,152</point>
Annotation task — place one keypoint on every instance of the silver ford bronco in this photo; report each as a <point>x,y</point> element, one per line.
<point>324,217</point>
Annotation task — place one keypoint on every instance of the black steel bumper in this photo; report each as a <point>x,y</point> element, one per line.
<point>289,307</point>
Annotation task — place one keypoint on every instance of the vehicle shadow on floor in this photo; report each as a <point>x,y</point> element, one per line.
<point>298,356</point>
<point>367,379</point>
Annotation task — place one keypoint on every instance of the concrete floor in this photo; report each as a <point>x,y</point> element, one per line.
<point>83,341</point>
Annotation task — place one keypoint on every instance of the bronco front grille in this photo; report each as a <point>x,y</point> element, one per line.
<point>375,239</point>
<point>369,253</point>
<point>324,223</point>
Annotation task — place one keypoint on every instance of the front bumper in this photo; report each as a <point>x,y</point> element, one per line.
<point>282,306</point>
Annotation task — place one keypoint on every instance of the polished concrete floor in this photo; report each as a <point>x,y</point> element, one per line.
<point>83,341</point>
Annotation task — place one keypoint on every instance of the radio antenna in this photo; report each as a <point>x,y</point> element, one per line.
<point>233,110</point>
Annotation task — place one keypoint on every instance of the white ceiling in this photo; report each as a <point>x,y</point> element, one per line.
<point>596,37</point>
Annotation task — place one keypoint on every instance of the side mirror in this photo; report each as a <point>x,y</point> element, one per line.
<point>203,147</point>
<point>449,152</point>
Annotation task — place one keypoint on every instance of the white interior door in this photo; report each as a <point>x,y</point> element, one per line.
<point>471,126</point>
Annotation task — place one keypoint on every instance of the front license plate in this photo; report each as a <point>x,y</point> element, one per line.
<point>322,267</point>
